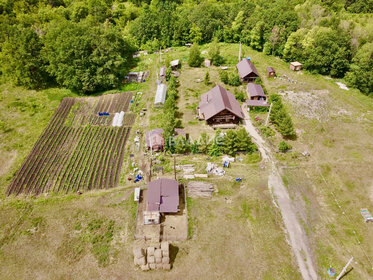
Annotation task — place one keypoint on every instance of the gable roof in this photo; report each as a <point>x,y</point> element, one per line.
<point>217,100</point>
<point>163,196</point>
<point>270,69</point>
<point>255,90</point>
<point>155,137</point>
<point>246,67</point>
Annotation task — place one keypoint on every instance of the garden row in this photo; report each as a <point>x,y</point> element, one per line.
<point>113,103</point>
<point>70,158</point>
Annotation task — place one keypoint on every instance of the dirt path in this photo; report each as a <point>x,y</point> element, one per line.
<point>296,235</point>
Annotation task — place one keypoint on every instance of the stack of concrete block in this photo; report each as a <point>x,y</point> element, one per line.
<point>157,257</point>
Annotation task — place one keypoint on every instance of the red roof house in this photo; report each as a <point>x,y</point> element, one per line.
<point>155,140</point>
<point>219,106</point>
<point>163,196</point>
<point>247,70</point>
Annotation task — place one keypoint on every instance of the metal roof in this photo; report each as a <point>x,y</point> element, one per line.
<point>175,62</point>
<point>156,137</point>
<point>296,63</point>
<point>217,100</point>
<point>246,67</point>
<point>163,196</point>
<point>257,103</point>
<point>254,90</point>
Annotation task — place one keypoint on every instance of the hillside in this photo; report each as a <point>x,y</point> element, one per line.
<point>60,236</point>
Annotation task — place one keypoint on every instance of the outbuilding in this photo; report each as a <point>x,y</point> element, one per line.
<point>175,64</point>
<point>257,97</point>
<point>162,198</point>
<point>255,92</point>
<point>247,71</point>
<point>296,66</point>
<point>154,140</point>
<point>219,106</point>
<point>271,72</point>
<point>162,72</point>
<point>160,95</point>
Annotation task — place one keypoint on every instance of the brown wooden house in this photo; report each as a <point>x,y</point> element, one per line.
<point>257,97</point>
<point>219,106</point>
<point>271,72</point>
<point>296,66</point>
<point>247,71</point>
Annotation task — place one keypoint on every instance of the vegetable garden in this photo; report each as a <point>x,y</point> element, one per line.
<point>78,155</point>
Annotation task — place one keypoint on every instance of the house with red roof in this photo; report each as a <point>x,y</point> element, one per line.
<point>219,106</point>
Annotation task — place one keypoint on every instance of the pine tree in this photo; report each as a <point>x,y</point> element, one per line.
<point>204,143</point>
<point>207,78</point>
<point>230,139</point>
<point>195,58</point>
<point>243,142</point>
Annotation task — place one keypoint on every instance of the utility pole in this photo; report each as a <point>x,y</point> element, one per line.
<point>239,54</point>
<point>270,108</point>
<point>160,55</point>
<point>344,269</point>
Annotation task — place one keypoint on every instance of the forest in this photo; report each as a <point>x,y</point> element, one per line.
<point>87,45</point>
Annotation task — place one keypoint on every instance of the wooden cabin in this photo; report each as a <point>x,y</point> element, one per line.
<point>219,106</point>
<point>296,66</point>
<point>247,71</point>
<point>271,72</point>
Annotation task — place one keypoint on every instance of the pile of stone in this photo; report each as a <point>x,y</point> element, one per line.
<point>156,257</point>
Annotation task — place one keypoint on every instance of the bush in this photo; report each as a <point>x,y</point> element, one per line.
<point>280,117</point>
<point>283,147</point>
<point>229,78</point>
<point>195,58</point>
<point>240,96</point>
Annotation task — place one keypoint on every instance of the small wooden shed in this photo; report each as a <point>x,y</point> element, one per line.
<point>271,72</point>
<point>296,66</point>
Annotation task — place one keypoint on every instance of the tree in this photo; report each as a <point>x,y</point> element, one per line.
<point>214,150</point>
<point>206,81</point>
<point>243,142</point>
<point>181,145</point>
<point>230,139</point>
<point>20,58</point>
<point>327,51</point>
<point>204,143</point>
<point>214,53</point>
<point>195,34</point>
<point>85,58</point>
<point>361,71</point>
<point>284,147</point>
<point>194,147</point>
<point>195,58</point>
<point>257,39</point>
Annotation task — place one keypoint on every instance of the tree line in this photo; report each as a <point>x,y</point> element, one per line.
<point>86,45</point>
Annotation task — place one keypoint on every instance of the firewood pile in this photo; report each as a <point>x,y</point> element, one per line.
<point>156,257</point>
<point>200,189</point>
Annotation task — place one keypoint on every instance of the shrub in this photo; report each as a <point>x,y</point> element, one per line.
<point>283,147</point>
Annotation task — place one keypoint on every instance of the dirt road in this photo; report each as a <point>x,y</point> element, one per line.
<point>297,237</point>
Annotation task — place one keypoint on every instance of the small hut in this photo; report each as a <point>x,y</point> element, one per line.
<point>296,66</point>
<point>162,72</point>
<point>155,140</point>
<point>271,72</point>
<point>175,64</point>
